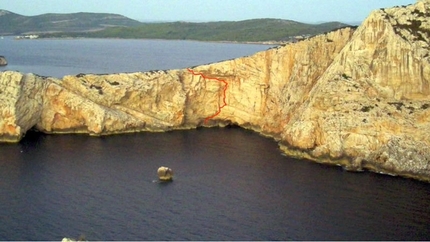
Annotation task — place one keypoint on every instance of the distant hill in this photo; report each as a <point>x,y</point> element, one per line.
<point>102,25</point>
<point>15,24</point>
<point>255,30</point>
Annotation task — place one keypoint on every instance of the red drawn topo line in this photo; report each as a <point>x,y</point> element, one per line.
<point>223,99</point>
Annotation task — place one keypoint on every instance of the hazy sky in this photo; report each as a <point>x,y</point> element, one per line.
<point>309,11</point>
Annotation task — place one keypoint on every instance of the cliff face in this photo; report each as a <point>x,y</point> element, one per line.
<point>369,108</point>
<point>21,104</point>
<point>357,98</point>
<point>115,103</point>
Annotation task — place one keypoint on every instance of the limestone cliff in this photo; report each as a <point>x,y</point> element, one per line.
<point>21,104</point>
<point>369,108</point>
<point>357,98</point>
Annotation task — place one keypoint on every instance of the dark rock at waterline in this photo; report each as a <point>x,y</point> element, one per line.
<point>3,61</point>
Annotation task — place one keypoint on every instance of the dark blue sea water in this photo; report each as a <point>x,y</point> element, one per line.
<point>59,57</point>
<point>230,184</point>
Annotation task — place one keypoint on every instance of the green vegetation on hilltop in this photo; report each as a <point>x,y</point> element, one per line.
<point>254,30</point>
<point>15,24</point>
<point>102,25</point>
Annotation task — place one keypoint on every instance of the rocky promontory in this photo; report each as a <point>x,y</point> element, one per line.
<point>3,61</point>
<point>352,97</point>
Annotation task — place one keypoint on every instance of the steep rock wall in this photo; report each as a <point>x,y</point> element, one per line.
<point>20,104</point>
<point>117,103</point>
<point>369,108</point>
<point>263,89</point>
<point>357,98</point>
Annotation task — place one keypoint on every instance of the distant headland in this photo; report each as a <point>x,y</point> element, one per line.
<point>100,25</point>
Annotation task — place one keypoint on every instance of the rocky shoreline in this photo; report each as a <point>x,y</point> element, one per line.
<point>358,98</point>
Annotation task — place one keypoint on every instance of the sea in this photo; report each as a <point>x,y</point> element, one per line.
<point>229,183</point>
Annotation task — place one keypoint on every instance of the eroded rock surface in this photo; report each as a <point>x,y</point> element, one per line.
<point>353,97</point>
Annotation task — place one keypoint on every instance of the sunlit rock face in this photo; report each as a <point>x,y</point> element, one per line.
<point>353,97</point>
<point>370,107</point>
<point>117,103</point>
<point>21,104</point>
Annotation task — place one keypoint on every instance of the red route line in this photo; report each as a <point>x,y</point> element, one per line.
<point>223,99</point>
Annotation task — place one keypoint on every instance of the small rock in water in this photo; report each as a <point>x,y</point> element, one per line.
<point>81,238</point>
<point>165,173</point>
<point>67,240</point>
<point>3,61</point>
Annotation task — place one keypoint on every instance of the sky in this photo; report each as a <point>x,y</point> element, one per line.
<point>308,11</point>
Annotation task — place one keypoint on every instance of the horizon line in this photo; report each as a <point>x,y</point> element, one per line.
<point>353,22</point>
